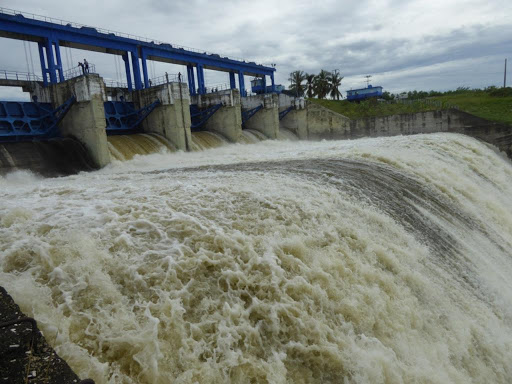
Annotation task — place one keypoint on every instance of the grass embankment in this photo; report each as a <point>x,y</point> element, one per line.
<point>490,105</point>
<point>482,104</point>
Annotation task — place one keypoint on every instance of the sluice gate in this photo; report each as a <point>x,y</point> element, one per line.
<point>31,120</point>
<point>199,116</point>
<point>122,117</point>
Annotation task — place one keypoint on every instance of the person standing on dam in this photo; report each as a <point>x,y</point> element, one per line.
<point>81,67</point>
<point>86,66</point>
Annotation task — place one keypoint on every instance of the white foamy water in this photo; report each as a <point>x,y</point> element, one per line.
<point>371,261</point>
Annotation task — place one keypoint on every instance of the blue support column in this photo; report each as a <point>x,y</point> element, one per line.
<point>191,80</point>
<point>51,62</point>
<point>241,84</point>
<point>264,83</point>
<point>136,69</point>
<point>44,70</point>
<point>273,82</point>
<point>128,72</point>
<point>232,81</point>
<point>59,60</point>
<point>144,68</point>
<point>200,79</point>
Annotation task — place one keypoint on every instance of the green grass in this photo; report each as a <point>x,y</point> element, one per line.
<point>371,108</point>
<point>477,102</point>
<point>481,104</point>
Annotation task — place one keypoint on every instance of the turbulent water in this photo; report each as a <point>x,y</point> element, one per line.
<point>370,261</point>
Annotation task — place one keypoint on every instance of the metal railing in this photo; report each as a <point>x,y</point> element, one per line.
<point>47,19</point>
<point>167,78</point>
<point>23,76</point>
<point>217,88</point>
<point>115,84</point>
<point>78,71</point>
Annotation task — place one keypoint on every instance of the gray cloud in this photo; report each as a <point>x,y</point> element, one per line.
<point>418,44</point>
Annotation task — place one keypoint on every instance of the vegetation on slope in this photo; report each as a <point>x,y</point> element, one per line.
<point>492,103</point>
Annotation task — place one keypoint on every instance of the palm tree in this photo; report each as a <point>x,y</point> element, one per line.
<point>322,84</point>
<point>335,84</point>
<point>310,78</point>
<point>296,79</point>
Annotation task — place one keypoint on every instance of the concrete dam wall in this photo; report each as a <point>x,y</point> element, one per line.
<point>86,143</point>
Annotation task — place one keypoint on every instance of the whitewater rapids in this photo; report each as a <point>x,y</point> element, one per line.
<point>370,261</point>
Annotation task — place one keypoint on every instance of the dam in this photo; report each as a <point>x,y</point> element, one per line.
<point>221,237</point>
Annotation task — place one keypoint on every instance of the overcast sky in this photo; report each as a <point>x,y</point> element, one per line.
<point>404,45</point>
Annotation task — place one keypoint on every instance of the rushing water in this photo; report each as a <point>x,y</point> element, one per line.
<point>370,261</point>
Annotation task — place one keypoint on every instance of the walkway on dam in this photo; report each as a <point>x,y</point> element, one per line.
<point>51,34</point>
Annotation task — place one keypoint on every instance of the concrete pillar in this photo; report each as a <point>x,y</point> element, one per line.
<point>127,69</point>
<point>171,118</point>
<point>85,121</point>
<point>228,119</point>
<point>266,120</point>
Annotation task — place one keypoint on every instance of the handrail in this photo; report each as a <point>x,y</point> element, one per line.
<point>115,84</point>
<point>167,78</point>
<point>15,75</point>
<point>47,19</point>
<point>78,71</point>
<point>217,88</point>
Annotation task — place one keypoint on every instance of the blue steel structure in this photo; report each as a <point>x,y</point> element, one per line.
<point>364,93</point>
<point>258,86</point>
<point>282,114</point>
<point>135,51</point>
<point>246,115</point>
<point>30,120</point>
<point>199,117</point>
<point>123,118</point>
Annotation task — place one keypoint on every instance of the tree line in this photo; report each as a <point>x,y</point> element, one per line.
<point>322,85</point>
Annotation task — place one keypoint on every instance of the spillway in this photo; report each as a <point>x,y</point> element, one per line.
<point>207,140</point>
<point>125,147</point>
<point>384,260</point>
<point>48,158</point>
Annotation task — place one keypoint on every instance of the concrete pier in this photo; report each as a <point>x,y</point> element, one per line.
<point>85,121</point>
<point>295,120</point>
<point>228,119</point>
<point>266,120</point>
<point>171,118</point>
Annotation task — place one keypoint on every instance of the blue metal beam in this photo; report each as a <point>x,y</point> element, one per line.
<point>44,69</point>
<point>191,80</point>
<point>200,79</point>
<point>273,83</point>
<point>241,84</point>
<point>136,69</point>
<point>232,80</point>
<point>127,69</point>
<point>144,68</point>
<point>87,38</point>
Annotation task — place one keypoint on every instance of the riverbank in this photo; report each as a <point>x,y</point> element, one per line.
<point>25,356</point>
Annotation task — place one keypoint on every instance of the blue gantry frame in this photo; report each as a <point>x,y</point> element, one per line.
<point>51,36</point>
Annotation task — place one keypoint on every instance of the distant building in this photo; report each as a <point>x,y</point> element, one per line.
<point>402,96</point>
<point>364,93</point>
<point>257,87</point>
